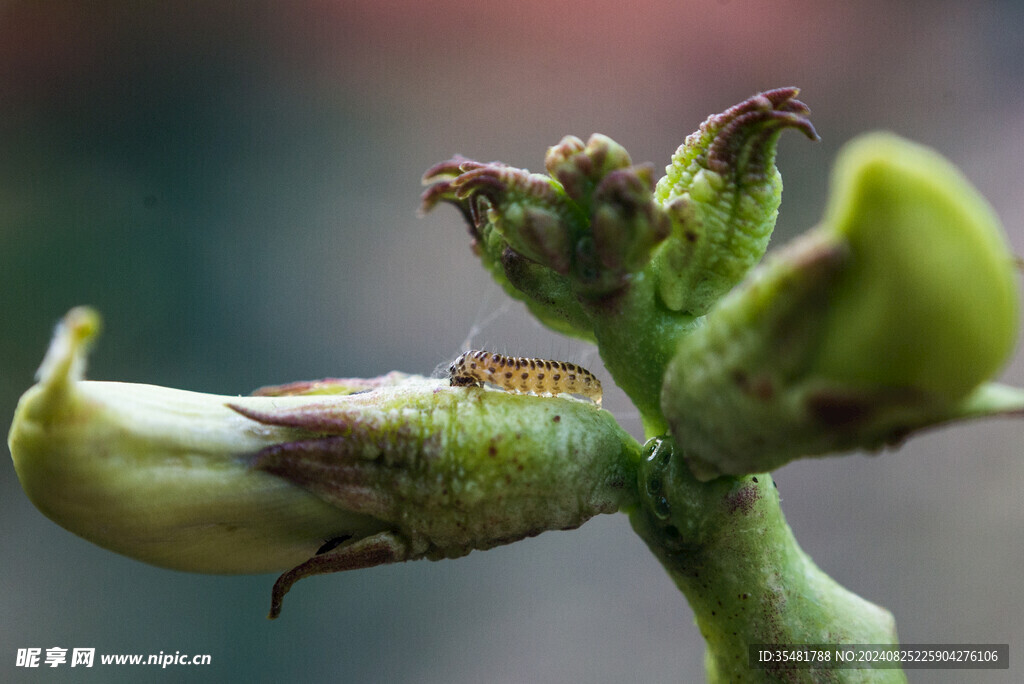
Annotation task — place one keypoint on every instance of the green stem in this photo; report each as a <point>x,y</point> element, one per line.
<point>637,337</point>
<point>727,546</point>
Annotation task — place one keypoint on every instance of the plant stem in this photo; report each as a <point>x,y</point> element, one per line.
<point>727,546</point>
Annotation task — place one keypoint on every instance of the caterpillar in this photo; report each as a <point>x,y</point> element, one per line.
<point>520,374</point>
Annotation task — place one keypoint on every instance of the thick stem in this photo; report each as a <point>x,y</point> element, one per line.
<point>728,548</point>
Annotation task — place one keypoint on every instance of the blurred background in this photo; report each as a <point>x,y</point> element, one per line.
<point>234,186</point>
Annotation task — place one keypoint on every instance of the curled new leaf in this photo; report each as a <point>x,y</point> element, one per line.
<point>722,192</point>
<point>591,224</point>
<point>546,292</point>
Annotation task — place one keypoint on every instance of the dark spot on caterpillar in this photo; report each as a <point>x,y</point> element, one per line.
<point>475,368</point>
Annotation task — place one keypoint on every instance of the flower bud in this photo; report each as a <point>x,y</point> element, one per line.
<point>929,298</point>
<point>886,319</point>
<point>580,168</point>
<point>158,474</point>
<point>334,475</point>
<point>627,223</point>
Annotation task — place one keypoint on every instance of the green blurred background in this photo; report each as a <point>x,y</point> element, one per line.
<point>234,186</point>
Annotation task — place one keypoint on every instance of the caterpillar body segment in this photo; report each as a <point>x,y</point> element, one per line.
<point>525,375</point>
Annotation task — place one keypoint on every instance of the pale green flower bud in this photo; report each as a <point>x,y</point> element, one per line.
<point>158,474</point>
<point>317,477</point>
<point>886,319</point>
<point>929,298</point>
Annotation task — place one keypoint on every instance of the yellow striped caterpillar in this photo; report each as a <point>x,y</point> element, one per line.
<point>520,374</point>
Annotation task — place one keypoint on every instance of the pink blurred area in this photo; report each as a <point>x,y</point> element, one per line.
<point>499,60</point>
